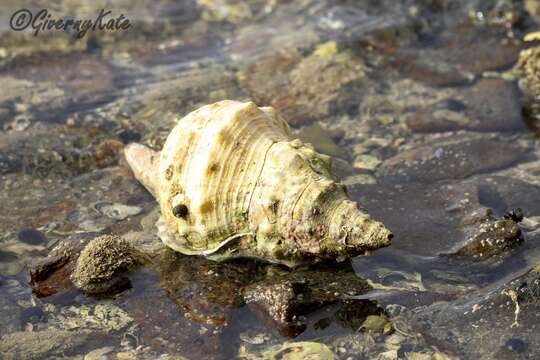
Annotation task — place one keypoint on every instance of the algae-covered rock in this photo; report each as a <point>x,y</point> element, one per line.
<point>103,262</point>
<point>529,64</point>
<point>100,317</point>
<point>44,344</point>
<point>299,351</point>
<point>377,324</point>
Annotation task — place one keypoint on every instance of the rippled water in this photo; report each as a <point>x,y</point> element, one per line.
<point>416,101</point>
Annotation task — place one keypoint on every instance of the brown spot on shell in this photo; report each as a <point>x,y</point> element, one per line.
<point>169,173</point>
<point>212,168</point>
<point>206,207</point>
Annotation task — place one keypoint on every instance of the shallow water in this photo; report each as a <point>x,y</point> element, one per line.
<point>416,102</point>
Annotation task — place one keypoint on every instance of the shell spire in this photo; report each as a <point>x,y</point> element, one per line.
<point>231,181</point>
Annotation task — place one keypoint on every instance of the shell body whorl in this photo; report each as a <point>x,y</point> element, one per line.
<point>232,182</point>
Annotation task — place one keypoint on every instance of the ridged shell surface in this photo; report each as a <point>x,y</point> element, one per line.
<point>231,181</point>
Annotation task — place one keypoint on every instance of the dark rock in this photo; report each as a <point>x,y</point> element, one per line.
<point>286,300</point>
<point>51,275</point>
<point>492,50</point>
<point>516,345</point>
<point>31,236</point>
<point>9,164</point>
<point>33,314</point>
<point>488,105</point>
<point>491,238</point>
<point>430,72</point>
<point>455,159</point>
<point>166,329</point>
<point>10,314</point>
<point>85,76</point>
<point>458,208</point>
<point>511,310</point>
<point>206,291</point>
<point>353,314</point>
<point>514,214</point>
<point>502,193</point>
<point>493,105</point>
<point>283,303</point>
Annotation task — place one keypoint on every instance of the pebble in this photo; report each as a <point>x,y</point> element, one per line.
<point>366,162</point>
<point>31,236</point>
<point>515,345</point>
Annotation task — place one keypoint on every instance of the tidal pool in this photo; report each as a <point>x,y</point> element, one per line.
<point>429,109</point>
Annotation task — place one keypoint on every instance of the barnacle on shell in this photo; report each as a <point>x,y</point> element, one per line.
<point>232,181</point>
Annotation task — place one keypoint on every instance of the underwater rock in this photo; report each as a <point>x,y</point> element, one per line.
<point>231,182</point>
<point>300,350</point>
<point>46,344</point>
<point>102,264</point>
<point>491,238</point>
<point>283,303</point>
<point>455,158</point>
<point>307,89</point>
<point>51,275</point>
<point>377,324</point>
<point>206,291</point>
<point>529,65</point>
<point>488,105</point>
<point>285,299</point>
<point>117,211</point>
<point>320,138</point>
<point>104,317</point>
<point>480,324</point>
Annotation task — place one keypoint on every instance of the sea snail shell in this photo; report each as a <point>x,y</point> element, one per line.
<point>232,182</point>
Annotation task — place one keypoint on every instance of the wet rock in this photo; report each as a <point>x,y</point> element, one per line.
<point>366,162</point>
<point>320,138</point>
<point>51,275</point>
<point>85,76</point>
<point>300,350</point>
<point>31,236</point>
<point>361,315</point>
<point>529,64</point>
<point>45,344</point>
<point>314,85</point>
<point>99,353</point>
<point>434,73</point>
<point>10,313</point>
<point>282,303</point>
<point>234,12</point>
<point>507,311</point>
<point>492,49</point>
<point>103,263</point>
<point>117,211</point>
<point>489,105</point>
<point>493,105</point>
<point>453,159</point>
<point>206,291</point>
<point>377,324</point>
<point>515,345</point>
<point>284,300</point>
<point>503,193</point>
<point>492,238</point>
<point>104,317</point>
<point>457,207</point>
<point>162,325</point>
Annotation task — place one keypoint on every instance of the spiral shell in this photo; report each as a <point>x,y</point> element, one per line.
<point>231,181</point>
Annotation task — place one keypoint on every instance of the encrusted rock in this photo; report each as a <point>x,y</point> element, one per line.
<point>103,262</point>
